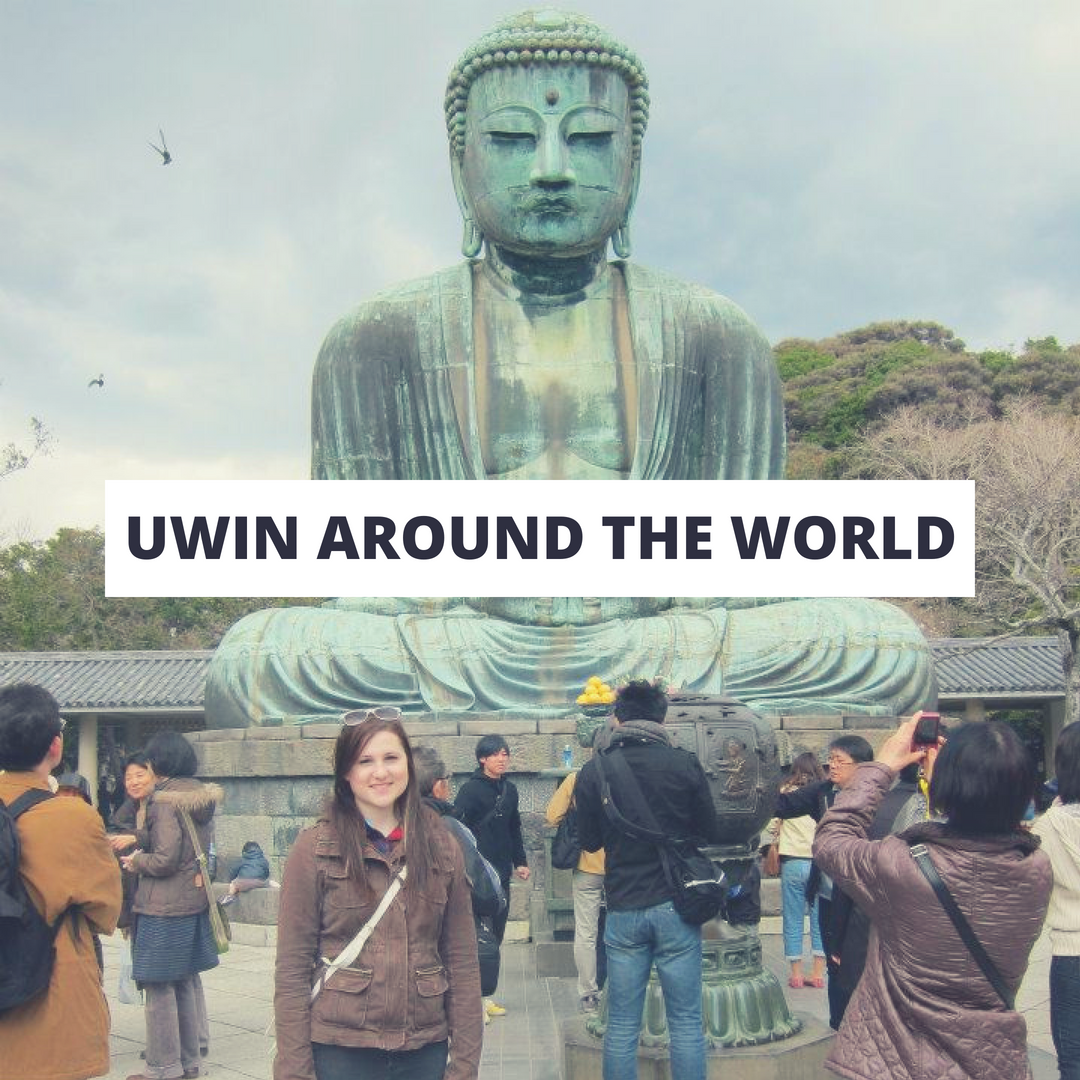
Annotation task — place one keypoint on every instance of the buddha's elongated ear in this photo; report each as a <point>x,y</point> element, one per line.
<point>620,240</point>
<point>472,238</point>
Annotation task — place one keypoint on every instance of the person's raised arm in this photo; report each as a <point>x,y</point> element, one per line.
<point>801,801</point>
<point>841,848</point>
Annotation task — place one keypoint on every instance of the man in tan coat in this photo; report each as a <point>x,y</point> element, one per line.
<point>66,862</point>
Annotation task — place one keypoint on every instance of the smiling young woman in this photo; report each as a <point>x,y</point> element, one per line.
<point>418,971</point>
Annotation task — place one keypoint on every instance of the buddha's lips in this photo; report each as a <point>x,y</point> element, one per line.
<point>548,204</point>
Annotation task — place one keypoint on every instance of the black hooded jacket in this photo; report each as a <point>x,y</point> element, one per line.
<point>490,809</point>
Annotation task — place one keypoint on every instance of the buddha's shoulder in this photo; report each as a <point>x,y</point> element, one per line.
<point>407,302</point>
<point>645,285</point>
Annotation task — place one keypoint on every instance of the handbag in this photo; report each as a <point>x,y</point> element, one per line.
<point>219,917</point>
<point>770,865</point>
<point>698,885</point>
<point>127,992</point>
<point>565,846</point>
<point>352,950</point>
<point>921,854</point>
<point>488,953</point>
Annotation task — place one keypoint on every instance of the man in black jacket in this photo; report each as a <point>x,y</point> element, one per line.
<point>488,804</point>
<point>643,927</point>
<point>834,907</point>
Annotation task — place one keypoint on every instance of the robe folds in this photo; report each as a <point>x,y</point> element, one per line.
<point>394,397</point>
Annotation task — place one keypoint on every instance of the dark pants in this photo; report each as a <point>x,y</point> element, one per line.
<point>1065,1014</point>
<point>839,992</point>
<point>354,1062</point>
<point>498,922</point>
<point>839,995</point>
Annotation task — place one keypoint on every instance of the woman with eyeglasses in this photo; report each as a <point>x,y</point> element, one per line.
<point>925,1006</point>
<point>407,1004</point>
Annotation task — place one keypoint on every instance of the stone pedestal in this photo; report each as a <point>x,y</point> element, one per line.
<point>742,1003</point>
<point>800,1057</point>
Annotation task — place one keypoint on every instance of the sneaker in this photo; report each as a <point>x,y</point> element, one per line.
<point>227,899</point>
<point>491,1009</point>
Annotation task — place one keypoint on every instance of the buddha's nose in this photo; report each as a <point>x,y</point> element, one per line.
<point>551,167</point>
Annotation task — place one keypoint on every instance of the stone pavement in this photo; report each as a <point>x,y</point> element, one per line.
<point>523,1045</point>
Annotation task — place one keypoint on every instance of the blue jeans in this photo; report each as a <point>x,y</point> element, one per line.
<point>1065,1014</point>
<point>793,876</point>
<point>636,940</point>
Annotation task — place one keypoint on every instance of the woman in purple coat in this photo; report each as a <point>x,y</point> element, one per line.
<point>923,1009</point>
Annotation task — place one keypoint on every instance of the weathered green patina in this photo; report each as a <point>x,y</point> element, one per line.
<point>542,359</point>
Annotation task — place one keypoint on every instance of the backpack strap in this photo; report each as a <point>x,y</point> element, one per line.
<point>921,854</point>
<point>16,808</point>
<point>27,801</point>
<point>495,809</point>
<point>648,833</point>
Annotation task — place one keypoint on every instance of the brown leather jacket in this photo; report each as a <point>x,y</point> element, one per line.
<point>165,863</point>
<point>417,980</point>
<point>923,1010</point>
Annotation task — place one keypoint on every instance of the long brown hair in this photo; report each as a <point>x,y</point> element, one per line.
<point>347,820</point>
<point>805,769</point>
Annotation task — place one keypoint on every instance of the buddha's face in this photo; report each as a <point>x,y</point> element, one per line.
<point>548,167</point>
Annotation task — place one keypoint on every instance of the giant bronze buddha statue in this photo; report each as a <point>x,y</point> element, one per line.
<point>539,358</point>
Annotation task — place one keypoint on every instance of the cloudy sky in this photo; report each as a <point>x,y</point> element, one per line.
<point>825,164</point>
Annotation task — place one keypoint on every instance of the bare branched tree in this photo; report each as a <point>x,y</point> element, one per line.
<point>1026,468</point>
<point>14,457</point>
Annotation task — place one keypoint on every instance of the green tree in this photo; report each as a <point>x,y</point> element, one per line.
<point>52,597</point>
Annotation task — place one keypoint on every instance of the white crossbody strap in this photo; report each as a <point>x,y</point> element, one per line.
<point>352,950</point>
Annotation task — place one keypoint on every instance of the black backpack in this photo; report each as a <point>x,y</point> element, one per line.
<point>27,942</point>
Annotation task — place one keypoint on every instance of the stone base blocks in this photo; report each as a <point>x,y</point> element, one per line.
<point>800,1057</point>
<point>276,780</point>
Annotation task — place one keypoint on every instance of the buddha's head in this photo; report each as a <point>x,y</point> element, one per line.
<point>546,116</point>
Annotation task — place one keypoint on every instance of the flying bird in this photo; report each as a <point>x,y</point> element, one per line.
<point>99,381</point>
<point>163,149</point>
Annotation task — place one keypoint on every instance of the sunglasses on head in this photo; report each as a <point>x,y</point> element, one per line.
<point>380,712</point>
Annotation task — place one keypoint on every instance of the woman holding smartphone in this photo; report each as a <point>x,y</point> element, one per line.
<point>924,1007</point>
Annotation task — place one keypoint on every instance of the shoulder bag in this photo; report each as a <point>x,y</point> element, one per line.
<point>698,885</point>
<point>565,845</point>
<point>352,950</point>
<point>219,917</point>
<point>921,854</point>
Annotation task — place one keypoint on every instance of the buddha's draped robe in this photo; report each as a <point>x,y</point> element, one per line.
<point>394,398</point>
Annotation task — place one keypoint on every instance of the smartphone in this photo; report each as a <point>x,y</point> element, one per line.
<point>926,731</point>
